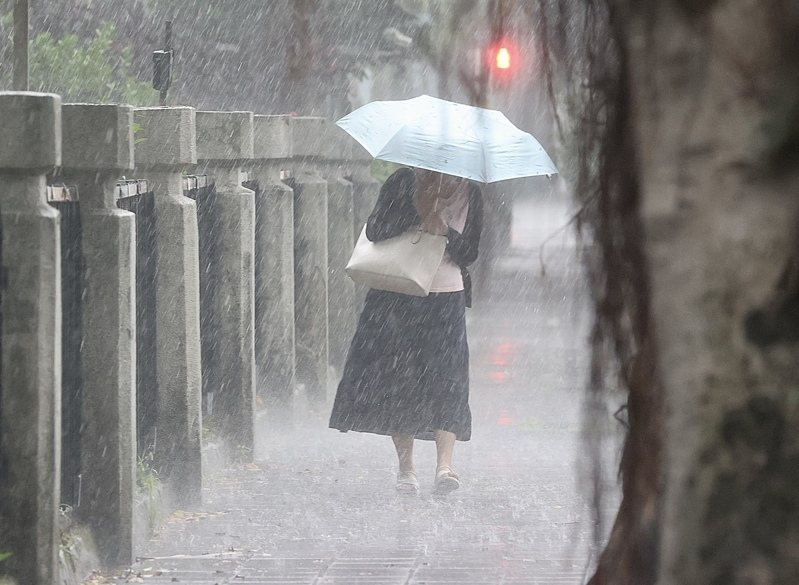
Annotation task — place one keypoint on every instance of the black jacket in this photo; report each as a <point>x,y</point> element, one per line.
<point>395,213</point>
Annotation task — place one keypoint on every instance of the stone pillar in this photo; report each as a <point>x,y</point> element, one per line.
<point>310,262</point>
<point>335,165</point>
<point>326,149</point>
<point>224,142</point>
<point>98,143</point>
<point>166,145</point>
<point>274,268</point>
<point>365,190</point>
<point>30,378</point>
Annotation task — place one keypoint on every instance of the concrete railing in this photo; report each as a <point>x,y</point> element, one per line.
<point>233,293</point>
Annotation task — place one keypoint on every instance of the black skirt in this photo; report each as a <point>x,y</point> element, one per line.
<point>407,370</point>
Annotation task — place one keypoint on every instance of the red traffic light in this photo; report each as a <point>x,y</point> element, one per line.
<point>503,58</point>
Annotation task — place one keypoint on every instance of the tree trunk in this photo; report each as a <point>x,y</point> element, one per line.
<point>719,207</point>
<point>303,90</point>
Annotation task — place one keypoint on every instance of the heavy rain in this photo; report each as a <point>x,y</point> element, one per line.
<point>366,292</point>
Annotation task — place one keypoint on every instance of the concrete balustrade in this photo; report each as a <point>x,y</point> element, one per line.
<point>98,148</point>
<point>166,146</point>
<point>30,378</point>
<point>310,261</point>
<point>227,232</point>
<point>274,267</point>
<point>277,308</point>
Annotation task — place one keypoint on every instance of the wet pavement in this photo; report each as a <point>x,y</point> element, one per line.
<point>319,507</point>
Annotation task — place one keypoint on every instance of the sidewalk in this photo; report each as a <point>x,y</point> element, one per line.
<point>319,506</point>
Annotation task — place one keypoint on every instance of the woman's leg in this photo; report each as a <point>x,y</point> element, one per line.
<point>404,446</point>
<point>445,444</point>
<point>446,479</point>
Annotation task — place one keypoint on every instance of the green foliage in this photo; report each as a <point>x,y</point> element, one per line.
<point>136,129</point>
<point>444,20</point>
<point>87,70</point>
<point>146,475</point>
<point>208,431</point>
<point>5,556</point>
<point>382,170</point>
<point>149,487</point>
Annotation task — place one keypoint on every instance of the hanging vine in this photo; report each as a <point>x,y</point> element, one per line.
<point>588,80</point>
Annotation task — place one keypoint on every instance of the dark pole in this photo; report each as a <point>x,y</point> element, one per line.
<point>168,49</point>
<point>21,81</point>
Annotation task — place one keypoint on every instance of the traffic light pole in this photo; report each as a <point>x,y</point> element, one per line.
<point>162,65</point>
<point>168,49</point>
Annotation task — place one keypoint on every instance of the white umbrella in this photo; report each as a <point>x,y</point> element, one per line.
<point>456,139</point>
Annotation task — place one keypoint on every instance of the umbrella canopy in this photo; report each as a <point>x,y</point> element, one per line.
<point>456,139</point>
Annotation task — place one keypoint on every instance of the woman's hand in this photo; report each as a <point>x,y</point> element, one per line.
<point>433,224</point>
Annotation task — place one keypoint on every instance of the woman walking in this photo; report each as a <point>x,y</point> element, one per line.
<point>407,371</point>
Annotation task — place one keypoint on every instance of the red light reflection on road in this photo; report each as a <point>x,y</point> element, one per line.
<point>501,357</point>
<point>503,352</point>
<point>505,419</point>
<point>499,376</point>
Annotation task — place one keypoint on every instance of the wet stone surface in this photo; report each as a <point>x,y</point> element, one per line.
<point>319,507</point>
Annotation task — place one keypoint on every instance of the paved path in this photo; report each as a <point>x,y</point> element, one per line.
<point>319,506</point>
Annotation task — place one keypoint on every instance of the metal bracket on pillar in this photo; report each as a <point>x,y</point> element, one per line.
<point>62,193</point>
<point>192,182</point>
<point>130,188</point>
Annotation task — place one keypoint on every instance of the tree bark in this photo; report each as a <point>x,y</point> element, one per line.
<point>719,209</point>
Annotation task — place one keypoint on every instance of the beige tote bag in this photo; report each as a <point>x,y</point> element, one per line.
<point>403,264</point>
